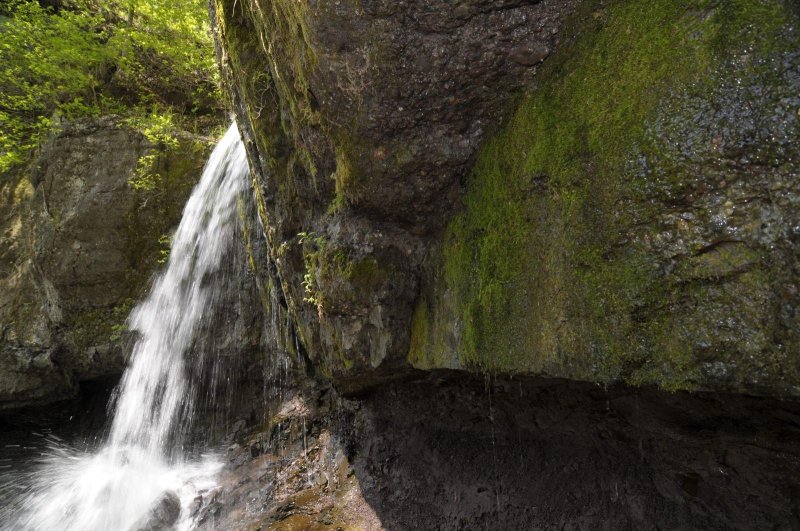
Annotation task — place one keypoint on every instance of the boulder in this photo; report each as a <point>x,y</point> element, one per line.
<point>163,515</point>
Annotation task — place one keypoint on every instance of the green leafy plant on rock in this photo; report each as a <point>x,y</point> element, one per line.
<point>313,246</point>
<point>159,129</point>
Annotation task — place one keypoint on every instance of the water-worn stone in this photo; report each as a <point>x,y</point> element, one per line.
<point>632,221</point>
<point>163,515</point>
<point>78,245</point>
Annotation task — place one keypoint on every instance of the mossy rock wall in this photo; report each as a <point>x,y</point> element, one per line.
<point>599,190</point>
<point>637,217</point>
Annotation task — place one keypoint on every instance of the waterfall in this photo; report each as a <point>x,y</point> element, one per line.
<point>154,388</point>
<point>142,463</point>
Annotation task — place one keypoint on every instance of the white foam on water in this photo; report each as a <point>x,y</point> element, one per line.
<point>114,488</point>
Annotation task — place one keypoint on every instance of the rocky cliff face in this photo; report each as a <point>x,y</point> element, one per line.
<point>78,246</point>
<point>602,191</point>
<point>362,121</point>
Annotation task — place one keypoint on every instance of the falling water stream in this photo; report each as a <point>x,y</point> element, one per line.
<point>142,460</point>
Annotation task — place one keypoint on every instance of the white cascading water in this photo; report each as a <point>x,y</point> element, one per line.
<point>115,487</point>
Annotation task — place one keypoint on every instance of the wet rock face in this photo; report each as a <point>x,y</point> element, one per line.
<point>456,451</point>
<point>362,120</point>
<point>632,220</point>
<point>163,515</point>
<point>732,237</point>
<point>77,248</point>
<point>636,222</point>
<point>390,99</point>
<point>417,85</point>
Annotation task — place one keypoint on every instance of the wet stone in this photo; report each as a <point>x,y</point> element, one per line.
<point>163,515</point>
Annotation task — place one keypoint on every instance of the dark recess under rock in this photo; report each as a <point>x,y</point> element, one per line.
<point>454,451</point>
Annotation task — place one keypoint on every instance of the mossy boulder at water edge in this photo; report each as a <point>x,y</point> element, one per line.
<point>602,191</point>
<point>637,217</point>
<point>79,245</point>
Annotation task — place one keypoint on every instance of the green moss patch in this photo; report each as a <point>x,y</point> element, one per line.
<point>548,269</point>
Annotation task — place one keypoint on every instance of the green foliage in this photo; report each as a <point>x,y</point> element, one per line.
<point>165,240</point>
<point>313,246</point>
<point>48,63</point>
<point>147,59</point>
<point>146,176</point>
<point>164,52</point>
<point>159,129</point>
